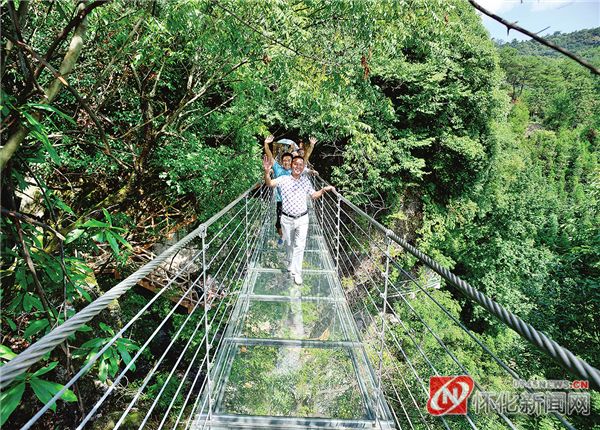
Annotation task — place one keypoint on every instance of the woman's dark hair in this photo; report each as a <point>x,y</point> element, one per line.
<point>286,154</point>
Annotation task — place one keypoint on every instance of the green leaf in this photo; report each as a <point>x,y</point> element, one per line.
<point>123,241</point>
<point>85,295</point>
<point>34,301</point>
<point>84,328</point>
<point>10,323</point>
<point>94,223</point>
<point>106,328</point>
<point>63,205</point>
<point>125,355</point>
<point>9,400</point>
<point>113,361</point>
<point>74,235</point>
<point>103,370</point>
<point>51,108</point>
<point>35,327</point>
<point>45,390</point>
<point>6,353</point>
<point>99,237</point>
<point>34,123</point>
<point>107,216</point>
<point>112,242</point>
<point>46,369</point>
<point>93,343</point>
<point>44,139</point>
<point>30,302</point>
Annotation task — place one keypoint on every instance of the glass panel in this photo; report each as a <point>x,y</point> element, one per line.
<point>272,259</point>
<point>275,259</point>
<point>313,243</point>
<point>293,319</point>
<point>314,260</point>
<point>292,381</point>
<point>281,284</point>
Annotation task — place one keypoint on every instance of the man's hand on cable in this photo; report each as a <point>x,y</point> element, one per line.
<point>329,188</point>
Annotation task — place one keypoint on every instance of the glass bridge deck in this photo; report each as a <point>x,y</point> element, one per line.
<point>291,356</point>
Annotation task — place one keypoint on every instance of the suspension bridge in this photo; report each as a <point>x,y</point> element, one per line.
<point>349,348</point>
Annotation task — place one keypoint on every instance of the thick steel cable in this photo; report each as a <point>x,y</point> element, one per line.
<point>505,367</point>
<point>562,355</point>
<point>227,257</point>
<point>201,364</point>
<point>149,376</point>
<point>133,360</point>
<point>327,255</point>
<point>408,361</point>
<point>224,226</point>
<point>189,422</point>
<point>410,331</point>
<point>411,279</point>
<point>484,347</point>
<point>101,352</point>
<point>82,371</point>
<point>115,383</point>
<point>394,338</point>
<point>35,352</point>
<point>406,358</point>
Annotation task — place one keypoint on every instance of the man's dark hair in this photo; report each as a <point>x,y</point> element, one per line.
<point>296,157</point>
<point>286,154</point>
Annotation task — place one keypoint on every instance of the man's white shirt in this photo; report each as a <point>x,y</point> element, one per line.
<point>293,193</point>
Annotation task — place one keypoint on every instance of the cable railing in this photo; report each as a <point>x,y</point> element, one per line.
<point>410,327</point>
<point>393,306</point>
<point>173,348</point>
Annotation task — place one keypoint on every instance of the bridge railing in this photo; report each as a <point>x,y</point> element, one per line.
<point>413,330</point>
<point>167,342</point>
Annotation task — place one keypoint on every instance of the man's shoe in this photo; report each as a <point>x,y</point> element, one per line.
<point>297,278</point>
<point>280,242</point>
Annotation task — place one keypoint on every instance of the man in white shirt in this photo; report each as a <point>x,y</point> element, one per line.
<point>294,217</point>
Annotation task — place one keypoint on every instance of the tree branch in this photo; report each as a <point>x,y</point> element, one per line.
<point>272,39</point>
<point>68,63</point>
<point>38,286</point>
<point>73,91</point>
<point>535,37</point>
<point>30,220</point>
<point>65,31</point>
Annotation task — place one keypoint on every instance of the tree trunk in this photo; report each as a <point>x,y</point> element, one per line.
<point>14,141</point>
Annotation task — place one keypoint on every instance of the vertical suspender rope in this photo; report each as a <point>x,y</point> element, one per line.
<point>206,325</point>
